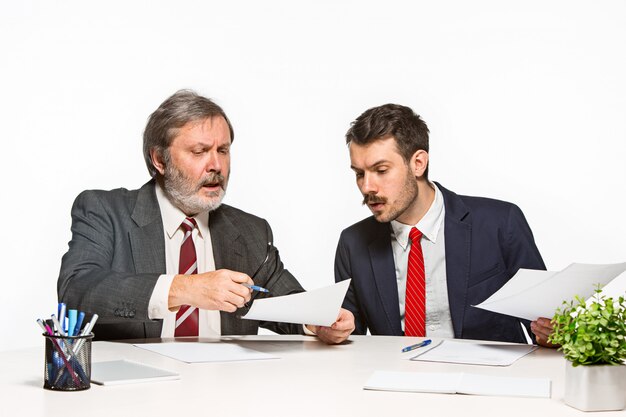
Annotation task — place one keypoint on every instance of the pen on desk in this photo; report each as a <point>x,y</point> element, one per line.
<point>255,287</point>
<point>417,345</point>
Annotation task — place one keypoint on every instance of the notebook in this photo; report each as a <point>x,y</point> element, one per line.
<point>127,372</point>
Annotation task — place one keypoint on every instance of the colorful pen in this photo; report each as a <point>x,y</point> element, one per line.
<point>417,345</point>
<point>255,287</point>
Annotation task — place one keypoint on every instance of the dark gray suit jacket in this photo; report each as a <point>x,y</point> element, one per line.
<point>117,253</point>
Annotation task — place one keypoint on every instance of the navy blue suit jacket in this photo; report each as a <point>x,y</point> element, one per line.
<point>486,242</point>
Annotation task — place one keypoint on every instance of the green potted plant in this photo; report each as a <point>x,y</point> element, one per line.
<point>592,336</point>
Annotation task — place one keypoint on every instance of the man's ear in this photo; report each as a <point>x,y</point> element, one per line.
<point>157,160</point>
<point>419,163</point>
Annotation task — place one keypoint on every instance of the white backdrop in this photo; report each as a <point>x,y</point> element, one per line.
<point>526,102</point>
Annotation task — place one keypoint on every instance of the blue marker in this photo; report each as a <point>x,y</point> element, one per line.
<point>79,323</point>
<point>72,315</point>
<point>255,288</point>
<point>416,346</point>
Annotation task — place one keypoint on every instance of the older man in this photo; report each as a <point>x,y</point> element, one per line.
<point>169,259</point>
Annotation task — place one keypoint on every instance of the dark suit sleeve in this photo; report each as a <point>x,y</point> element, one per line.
<point>343,272</point>
<point>279,282</point>
<point>88,280</point>
<point>521,250</point>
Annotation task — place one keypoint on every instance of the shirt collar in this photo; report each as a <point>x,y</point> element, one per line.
<point>172,216</point>
<point>429,225</point>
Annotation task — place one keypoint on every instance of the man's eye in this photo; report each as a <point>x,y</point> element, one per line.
<point>359,174</point>
<point>382,171</point>
<point>224,151</point>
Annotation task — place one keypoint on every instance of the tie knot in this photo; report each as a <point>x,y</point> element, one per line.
<point>188,224</point>
<point>415,235</point>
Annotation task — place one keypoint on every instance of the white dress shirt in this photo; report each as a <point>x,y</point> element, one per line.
<point>209,320</point>
<point>438,318</point>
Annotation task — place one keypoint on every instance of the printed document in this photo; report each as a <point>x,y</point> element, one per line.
<point>493,354</point>
<point>531,294</point>
<point>317,307</point>
<point>193,352</point>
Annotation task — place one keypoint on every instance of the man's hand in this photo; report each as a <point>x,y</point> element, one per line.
<point>542,328</point>
<point>215,290</point>
<point>338,331</point>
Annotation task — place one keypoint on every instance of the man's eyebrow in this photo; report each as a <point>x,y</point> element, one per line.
<point>372,166</point>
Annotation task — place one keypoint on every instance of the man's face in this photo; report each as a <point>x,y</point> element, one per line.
<point>195,175</point>
<point>388,186</point>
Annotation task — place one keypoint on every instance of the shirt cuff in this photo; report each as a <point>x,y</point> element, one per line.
<point>158,307</point>
<point>307,331</point>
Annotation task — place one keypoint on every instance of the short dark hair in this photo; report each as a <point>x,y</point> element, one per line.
<point>176,111</point>
<point>407,127</point>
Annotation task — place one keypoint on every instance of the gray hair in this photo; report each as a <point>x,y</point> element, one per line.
<point>182,107</point>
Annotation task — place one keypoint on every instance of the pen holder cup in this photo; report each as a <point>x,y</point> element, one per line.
<point>68,363</point>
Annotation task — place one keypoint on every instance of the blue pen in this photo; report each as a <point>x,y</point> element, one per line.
<point>255,288</point>
<point>417,345</point>
<point>61,317</point>
<point>79,323</point>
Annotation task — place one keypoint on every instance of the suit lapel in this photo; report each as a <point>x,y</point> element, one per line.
<point>146,241</point>
<point>458,235</point>
<point>383,267</point>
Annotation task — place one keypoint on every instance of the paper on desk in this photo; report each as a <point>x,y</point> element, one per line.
<point>458,382</point>
<point>451,351</point>
<point>192,352</point>
<point>531,294</point>
<point>317,307</point>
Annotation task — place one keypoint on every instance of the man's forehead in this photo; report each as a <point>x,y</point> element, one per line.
<point>211,129</point>
<point>374,153</point>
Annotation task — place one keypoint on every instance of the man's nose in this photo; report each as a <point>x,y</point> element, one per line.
<point>368,185</point>
<point>213,163</point>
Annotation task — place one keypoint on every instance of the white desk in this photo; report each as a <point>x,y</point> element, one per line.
<point>309,379</point>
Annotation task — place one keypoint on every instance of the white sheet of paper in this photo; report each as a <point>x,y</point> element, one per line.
<point>451,351</point>
<point>318,307</point>
<point>192,352</point>
<point>531,294</point>
<point>458,382</point>
<point>127,372</point>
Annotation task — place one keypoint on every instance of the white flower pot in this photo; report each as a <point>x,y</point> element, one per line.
<point>595,387</point>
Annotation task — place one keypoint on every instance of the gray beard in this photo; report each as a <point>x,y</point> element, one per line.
<point>182,193</point>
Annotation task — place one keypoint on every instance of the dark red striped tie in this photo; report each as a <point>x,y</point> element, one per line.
<point>187,316</point>
<point>415,302</point>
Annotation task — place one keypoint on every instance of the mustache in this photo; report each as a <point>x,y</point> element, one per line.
<point>212,178</point>
<point>373,198</point>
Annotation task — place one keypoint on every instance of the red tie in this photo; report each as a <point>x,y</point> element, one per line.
<point>415,302</point>
<point>187,316</point>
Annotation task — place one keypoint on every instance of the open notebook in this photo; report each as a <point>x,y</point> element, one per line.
<point>458,383</point>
